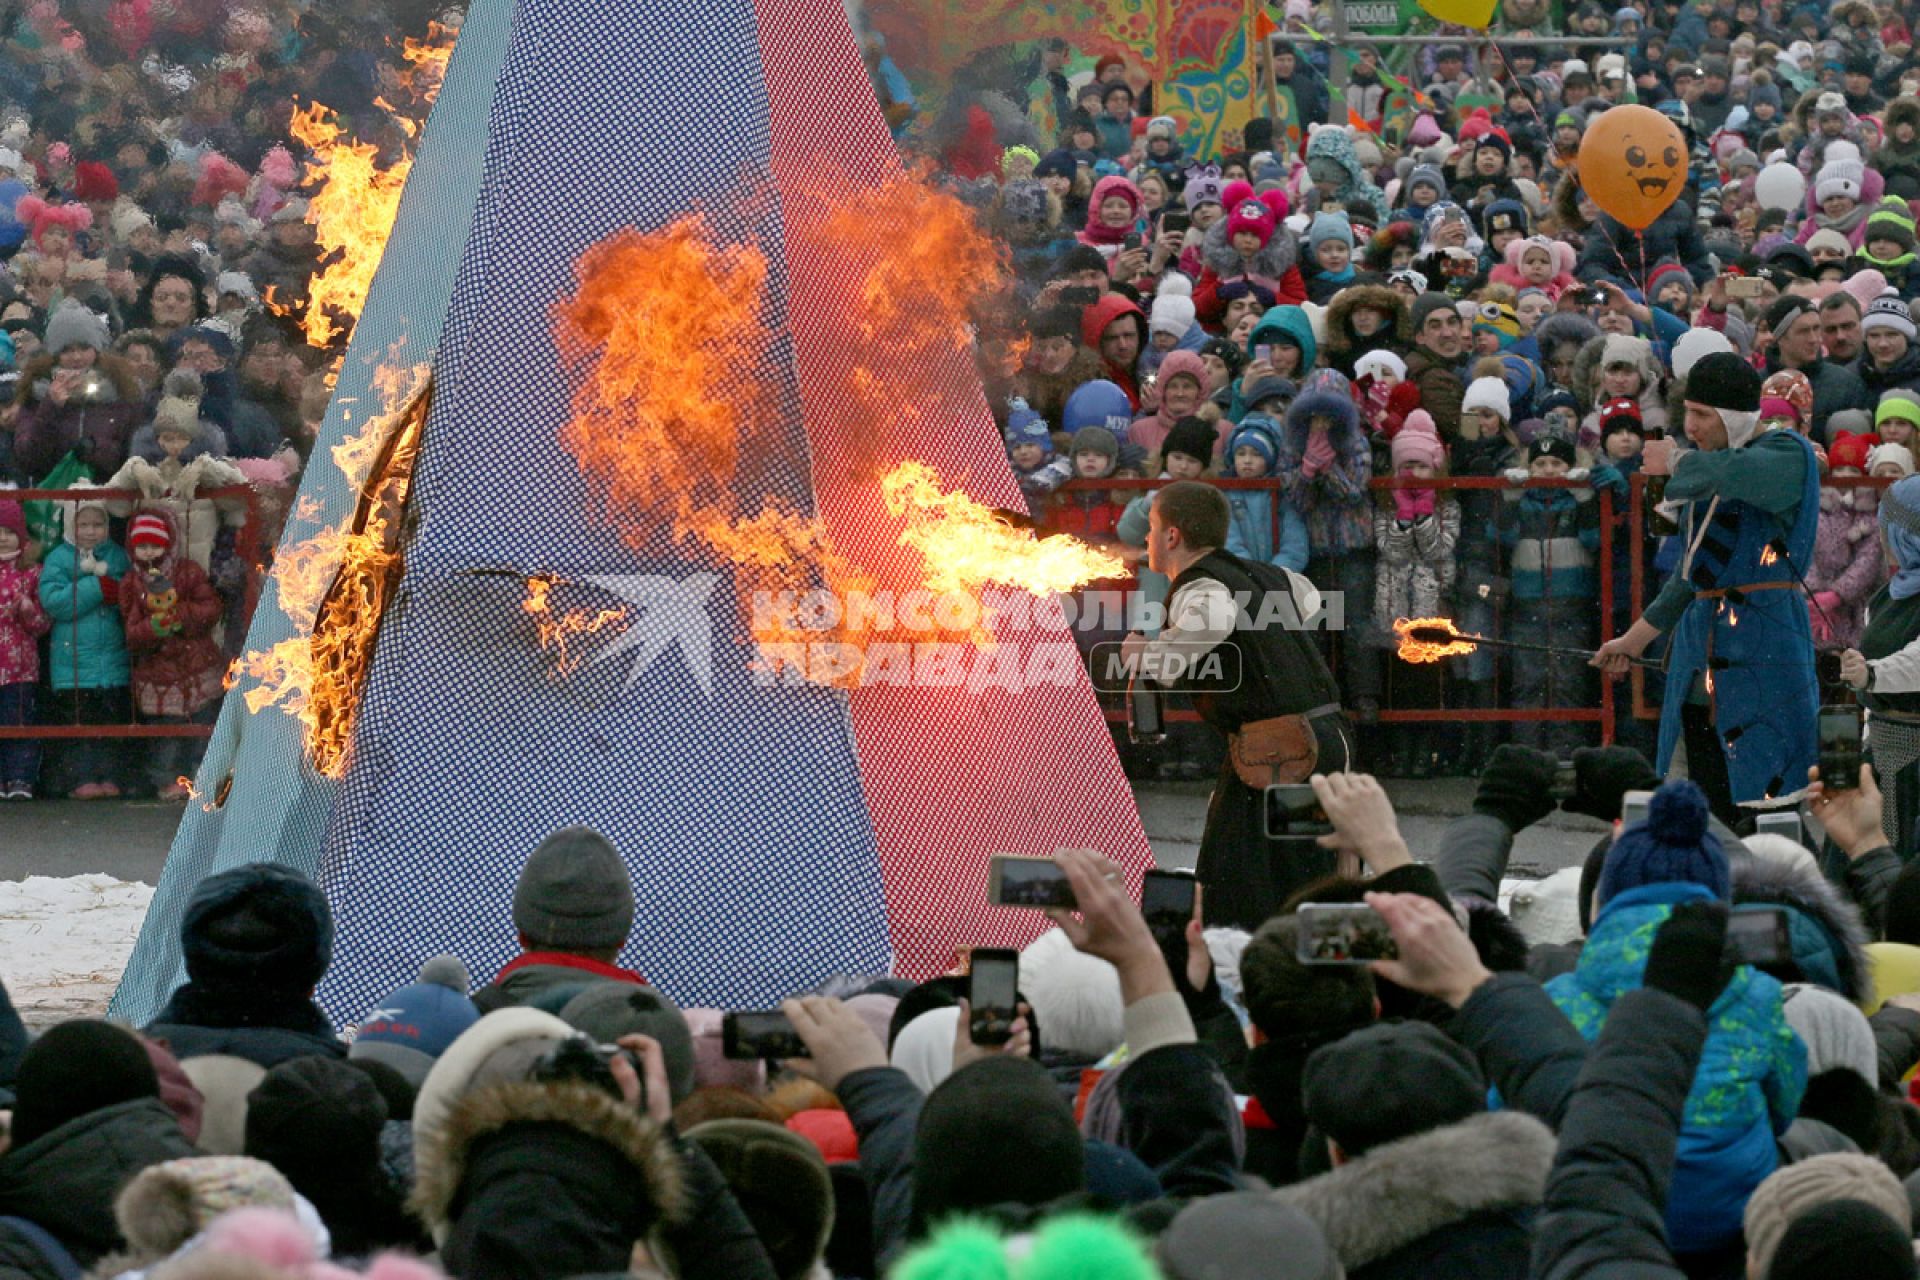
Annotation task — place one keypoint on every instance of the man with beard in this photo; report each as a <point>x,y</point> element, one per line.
<point>1439,345</point>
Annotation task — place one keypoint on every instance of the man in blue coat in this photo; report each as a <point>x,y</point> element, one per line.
<point>1740,676</point>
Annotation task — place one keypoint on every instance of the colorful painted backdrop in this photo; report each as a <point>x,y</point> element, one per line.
<point>1195,52</point>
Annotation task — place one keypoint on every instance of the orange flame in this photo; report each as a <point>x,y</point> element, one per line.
<point>352,211</point>
<point>668,328</point>
<point>1768,555</point>
<point>665,323</point>
<point>429,58</point>
<point>967,546</point>
<point>335,586</point>
<point>1414,649</point>
<point>555,628</point>
<point>909,342</point>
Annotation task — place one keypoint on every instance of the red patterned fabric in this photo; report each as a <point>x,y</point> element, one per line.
<point>951,776</point>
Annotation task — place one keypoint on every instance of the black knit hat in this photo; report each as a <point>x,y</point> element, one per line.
<point>1194,437</point>
<point>74,1069</point>
<point>1723,380</point>
<point>1843,1237</point>
<point>257,926</point>
<point>1428,303</point>
<point>1552,447</point>
<point>316,1116</point>
<point>1390,1081</point>
<point>995,1132</point>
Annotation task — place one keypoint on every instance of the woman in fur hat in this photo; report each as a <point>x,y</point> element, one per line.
<point>1618,367</point>
<point>1363,318</point>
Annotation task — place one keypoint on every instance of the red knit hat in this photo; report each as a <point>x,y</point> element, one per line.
<point>94,183</point>
<point>39,215</point>
<point>1851,450</point>
<point>152,530</point>
<point>1250,215</point>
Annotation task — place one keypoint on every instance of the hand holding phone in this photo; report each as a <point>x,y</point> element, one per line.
<point>1167,899</point>
<point>993,982</point>
<point>1839,728</point>
<point>1294,810</point>
<point>1028,882</point>
<point>760,1033</point>
<point>1339,933</point>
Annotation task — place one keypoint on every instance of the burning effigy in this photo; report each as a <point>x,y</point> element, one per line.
<point>687,523</point>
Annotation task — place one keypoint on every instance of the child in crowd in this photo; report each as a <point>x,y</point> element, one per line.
<point>1536,262</point>
<point>22,623</point>
<point>1030,451</point>
<point>1249,245</point>
<point>1088,514</point>
<point>87,659</point>
<point>1415,531</point>
<point>1330,242</point>
<point>170,610</point>
<point>1264,525</point>
<point>1325,464</point>
<point>1379,372</point>
<point>1551,535</point>
<point>179,462</point>
<point>1848,564</point>
<point>1890,461</point>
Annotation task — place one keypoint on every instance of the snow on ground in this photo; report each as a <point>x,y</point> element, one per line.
<point>64,942</point>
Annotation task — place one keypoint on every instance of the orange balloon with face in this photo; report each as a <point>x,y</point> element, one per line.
<point>1633,164</point>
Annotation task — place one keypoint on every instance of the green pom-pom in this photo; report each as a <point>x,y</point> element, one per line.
<point>963,1249</point>
<point>1083,1247</point>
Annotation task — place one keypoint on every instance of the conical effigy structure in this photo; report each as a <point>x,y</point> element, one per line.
<point>556,590</point>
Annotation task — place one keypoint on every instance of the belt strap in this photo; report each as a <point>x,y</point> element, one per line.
<point>1715,593</point>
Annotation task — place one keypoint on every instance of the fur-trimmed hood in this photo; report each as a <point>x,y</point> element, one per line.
<point>1340,336</point>
<point>1903,109</point>
<point>1394,1195</point>
<point>1325,392</point>
<point>1273,261</point>
<point>1591,362</point>
<point>1563,326</point>
<point>1829,939</point>
<point>443,1158</point>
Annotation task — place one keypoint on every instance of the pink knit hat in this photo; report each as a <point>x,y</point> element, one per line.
<point>1418,441</point>
<point>1251,215</point>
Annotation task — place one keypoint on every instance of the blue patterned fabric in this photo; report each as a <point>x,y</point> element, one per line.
<point>277,807</point>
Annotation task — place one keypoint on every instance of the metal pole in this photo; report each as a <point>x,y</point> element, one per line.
<point>1337,64</point>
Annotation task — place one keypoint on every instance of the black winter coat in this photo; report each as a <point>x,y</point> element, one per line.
<point>1613,252</point>
<point>1605,1210</point>
<point>66,1181</point>
<point>267,1030</point>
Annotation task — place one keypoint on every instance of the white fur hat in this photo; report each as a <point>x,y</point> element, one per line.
<point>1898,454</point>
<point>1488,393</point>
<point>1379,362</point>
<point>1695,343</point>
<point>1075,996</point>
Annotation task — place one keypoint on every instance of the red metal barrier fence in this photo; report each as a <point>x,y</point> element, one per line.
<point>249,548</point>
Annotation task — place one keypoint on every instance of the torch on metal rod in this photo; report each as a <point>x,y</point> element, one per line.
<point>1446,635</point>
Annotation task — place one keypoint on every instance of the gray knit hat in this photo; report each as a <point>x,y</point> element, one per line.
<point>75,326</point>
<point>1097,440</point>
<point>607,1010</point>
<point>574,892</point>
<point>1245,1235</point>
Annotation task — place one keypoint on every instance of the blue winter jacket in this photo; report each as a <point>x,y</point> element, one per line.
<point>1751,1074</point>
<point>89,648</point>
<point>1250,531</point>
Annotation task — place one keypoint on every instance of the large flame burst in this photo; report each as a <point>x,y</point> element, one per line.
<point>667,335</point>
<point>664,326</point>
<point>335,586</point>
